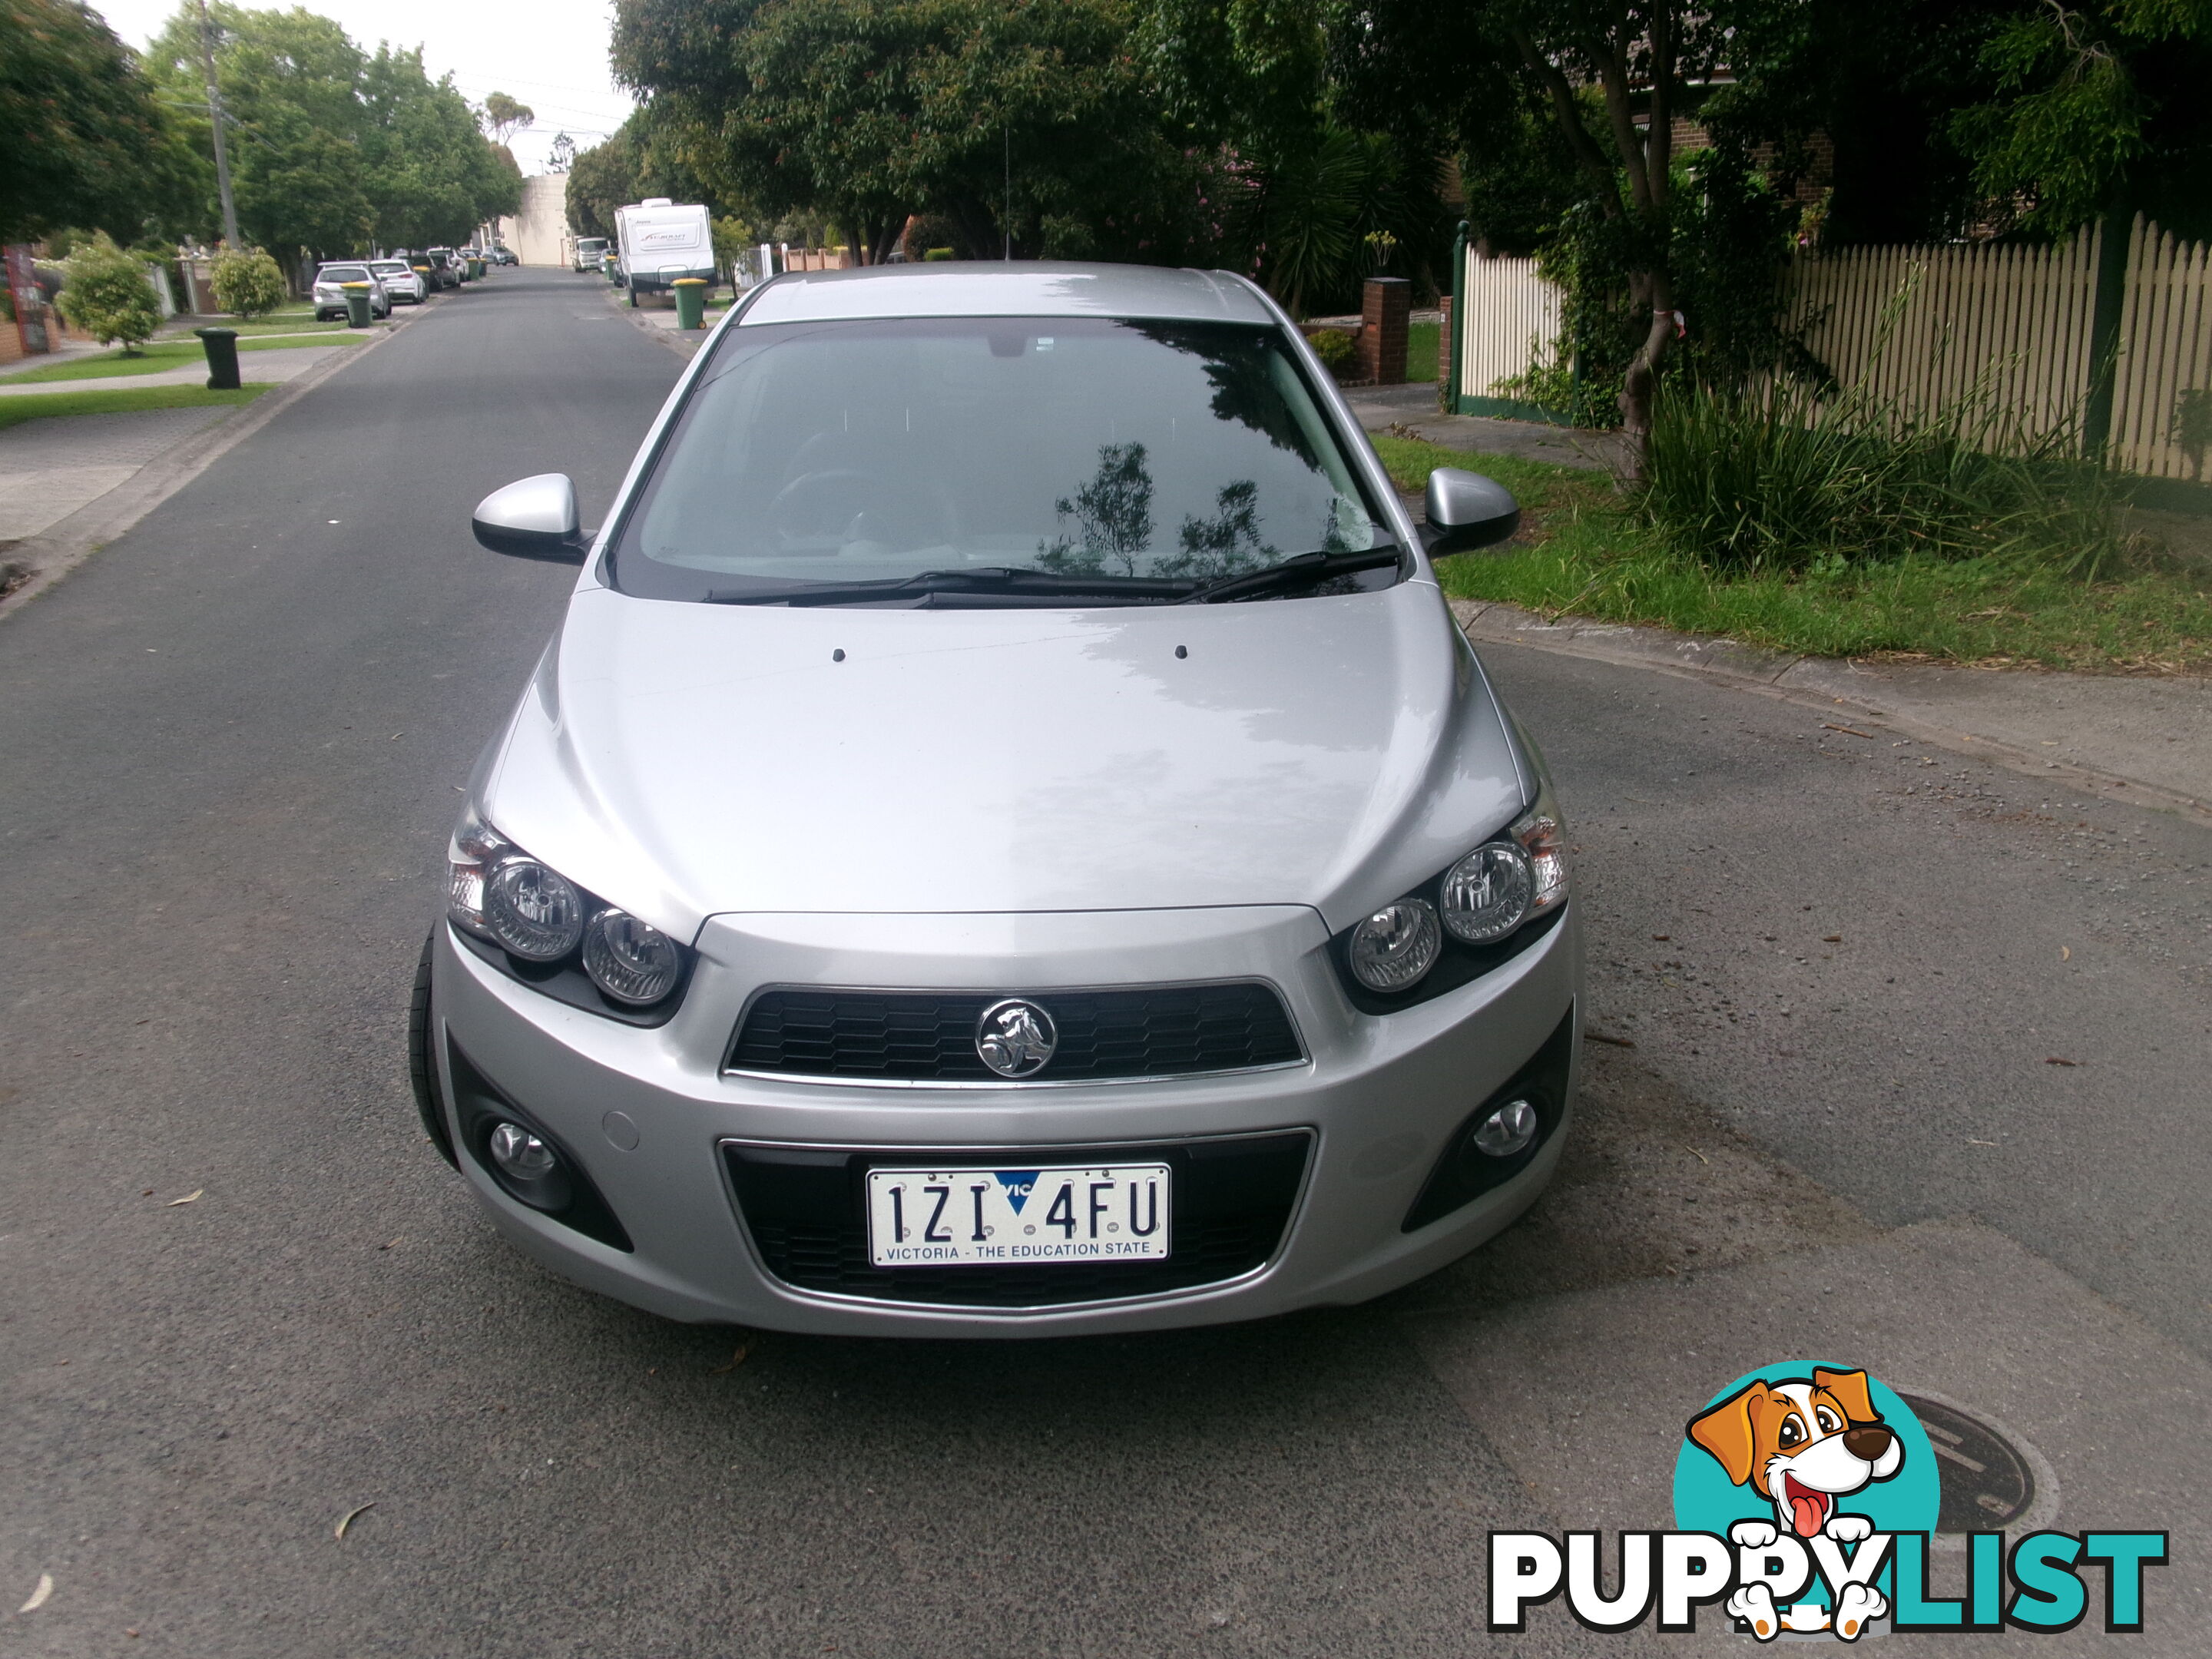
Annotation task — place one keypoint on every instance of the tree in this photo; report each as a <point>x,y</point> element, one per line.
<point>643,157</point>
<point>248,284</point>
<point>601,179</point>
<point>1027,124</point>
<point>1612,74</point>
<point>504,116</point>
<point>333,150</point>
<point>2096,106</point>
<point>435,176</point>
<point>82,141</point>
<point>108,296</point>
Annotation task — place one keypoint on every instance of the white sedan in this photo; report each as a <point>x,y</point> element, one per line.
<point>401,282</point>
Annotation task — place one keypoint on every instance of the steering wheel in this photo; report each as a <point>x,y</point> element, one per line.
<point>798,513</point>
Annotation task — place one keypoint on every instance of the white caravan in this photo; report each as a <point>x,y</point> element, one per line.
<point>661,240</point>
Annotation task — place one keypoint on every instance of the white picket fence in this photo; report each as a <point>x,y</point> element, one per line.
<point>2162,392</point>
<point>1921,327</point>
<point>1513,322</point>
<point>1916,329</point>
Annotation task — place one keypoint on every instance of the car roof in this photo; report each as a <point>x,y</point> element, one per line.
<point>1018,288</point>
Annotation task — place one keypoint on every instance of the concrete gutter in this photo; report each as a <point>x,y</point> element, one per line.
<point>2140,739</point>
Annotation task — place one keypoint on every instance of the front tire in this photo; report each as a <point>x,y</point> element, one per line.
<point>421,1065</point>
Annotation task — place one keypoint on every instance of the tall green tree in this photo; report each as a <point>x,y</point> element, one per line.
<point>333,150</point>
<point>1027,122</point>
<point>435,178</point>
<point>83,141</point>
<point>649,155</point>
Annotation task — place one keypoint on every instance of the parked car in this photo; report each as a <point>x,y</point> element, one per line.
<point>1132,914</point>
<point>330,294</point>
<point>590,251</point>
<point>402,282</point>
<point>443,266</point>
<point>503,255</point>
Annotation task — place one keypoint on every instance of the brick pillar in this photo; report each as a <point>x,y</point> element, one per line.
<point>1383,332</point>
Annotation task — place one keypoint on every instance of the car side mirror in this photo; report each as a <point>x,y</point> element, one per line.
<point>1466,510</point>
<point>534,517</point>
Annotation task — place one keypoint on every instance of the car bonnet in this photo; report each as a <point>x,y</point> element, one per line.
<point>684,759</point>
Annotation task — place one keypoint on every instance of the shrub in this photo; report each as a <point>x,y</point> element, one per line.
<point>107,294</point>
<point>248,284</point>
<point>1780,481</point>
<point>938,253</point>
<point>1336,349</point>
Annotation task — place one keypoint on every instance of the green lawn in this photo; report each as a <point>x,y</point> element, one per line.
<point>152,358</point>
<point>1421,351</point>
<point>14,411</point>
<point>1580,553</point>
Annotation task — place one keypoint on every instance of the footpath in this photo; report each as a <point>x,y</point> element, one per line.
<point>74,480</point>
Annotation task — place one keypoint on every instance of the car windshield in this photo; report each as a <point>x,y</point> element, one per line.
<point>344,274</point>
<point>818,455</point>
<point>389,268</point>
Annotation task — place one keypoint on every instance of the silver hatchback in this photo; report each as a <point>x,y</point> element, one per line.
<point>1007,839</point>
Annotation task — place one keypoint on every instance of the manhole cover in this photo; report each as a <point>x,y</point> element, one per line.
<point>1990,1479</point>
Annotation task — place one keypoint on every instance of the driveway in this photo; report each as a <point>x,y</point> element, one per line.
<point>246,1300</point>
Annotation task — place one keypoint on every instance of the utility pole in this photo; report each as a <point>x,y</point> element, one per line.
<point>215,118</point>
<point>1007,220</point>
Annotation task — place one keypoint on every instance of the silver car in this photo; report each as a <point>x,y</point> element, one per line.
<point>1007,839</point>
<point>330,286</point>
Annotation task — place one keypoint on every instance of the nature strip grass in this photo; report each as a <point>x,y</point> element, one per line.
<point>154,358</point>
<point>14,411</point>
<point>1581,553</point>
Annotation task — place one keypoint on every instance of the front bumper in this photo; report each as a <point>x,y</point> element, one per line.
<point>657,1125</point>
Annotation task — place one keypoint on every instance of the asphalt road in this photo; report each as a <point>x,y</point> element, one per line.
<point>230,753</point>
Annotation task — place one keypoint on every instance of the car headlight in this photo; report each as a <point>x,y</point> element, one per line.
<point>1486,895</point>
<point>536,913</point>
<point>1464,922</point>
<point>568,943</point>
<point>1394,948</point>
<point>1503,883</point>
<point>631,961</point>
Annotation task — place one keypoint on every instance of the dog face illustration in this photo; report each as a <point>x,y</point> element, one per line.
<point>1801,1445</point>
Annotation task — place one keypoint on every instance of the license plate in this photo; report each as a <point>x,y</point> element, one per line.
<point>922,1218</point>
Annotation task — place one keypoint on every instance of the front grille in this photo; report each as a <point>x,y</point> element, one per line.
<point>929,1037</point>
<point>1229,1202</point>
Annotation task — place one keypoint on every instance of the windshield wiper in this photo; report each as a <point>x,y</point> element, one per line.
<point>995,580</point>
<point>1306,570</point>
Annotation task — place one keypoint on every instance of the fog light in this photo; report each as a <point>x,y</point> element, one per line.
<point>528,1169</point>
<point>521,1153</point>
<point>1506,1131</point>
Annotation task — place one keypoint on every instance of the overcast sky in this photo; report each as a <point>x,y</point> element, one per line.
<point>550,54</point>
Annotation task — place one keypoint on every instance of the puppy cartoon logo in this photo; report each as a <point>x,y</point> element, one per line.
<point>1806,1502</point>
<point>1802,1445</point>
<point>1798,1466</point>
